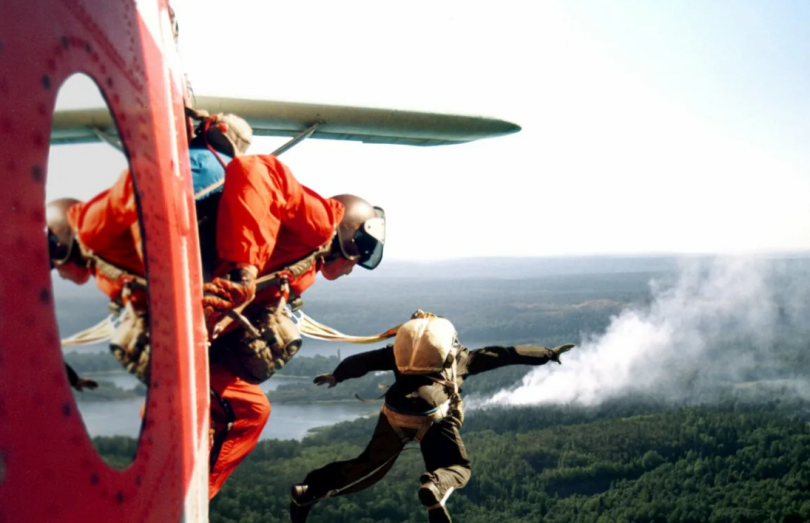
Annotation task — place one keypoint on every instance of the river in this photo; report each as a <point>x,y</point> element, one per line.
<point>122,417</point>
<point>126,381</point>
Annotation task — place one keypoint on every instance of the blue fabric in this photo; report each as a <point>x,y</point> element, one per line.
<point>206,169</point>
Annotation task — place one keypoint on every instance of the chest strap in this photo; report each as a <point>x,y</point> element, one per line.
<point>110,270</point>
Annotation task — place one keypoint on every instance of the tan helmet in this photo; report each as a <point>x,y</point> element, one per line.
<point>228,133</point>
<point>361,232</point>
<point>61,238</point>
<point>224,132</point>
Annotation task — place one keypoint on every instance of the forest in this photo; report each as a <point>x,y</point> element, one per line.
<point>625,461</point>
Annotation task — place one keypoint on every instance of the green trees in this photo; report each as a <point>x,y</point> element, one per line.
<point>740,462</point>
<point>626,461</point>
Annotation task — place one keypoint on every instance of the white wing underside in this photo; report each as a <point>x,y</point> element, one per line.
<point>269,118</point>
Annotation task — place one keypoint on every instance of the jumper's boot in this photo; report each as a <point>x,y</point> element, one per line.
<point>431,497</point>
<point>301,504</point>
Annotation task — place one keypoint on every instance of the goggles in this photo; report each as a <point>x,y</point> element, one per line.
<point>370,240</point>
<point>57,252</point>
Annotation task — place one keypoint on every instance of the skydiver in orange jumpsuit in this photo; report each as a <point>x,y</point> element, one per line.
<point>267,221</point>
<point>101,238</point>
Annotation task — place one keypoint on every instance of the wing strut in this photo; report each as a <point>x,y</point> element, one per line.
<point>295,141</point>
<point>108,138</point>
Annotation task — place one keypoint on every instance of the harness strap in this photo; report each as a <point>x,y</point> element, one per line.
<point>278,278</point>
<point>294,270</point>
<point>301,266</point>
<point>211,188</point>
<point>213,150</point>
<point>450,384</point>
<point>364,400</point>
<point>110,270</point>
<point>421,423</point>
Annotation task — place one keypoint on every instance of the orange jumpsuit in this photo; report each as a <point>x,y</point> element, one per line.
<point>108,226</point>
<point>267,219</point>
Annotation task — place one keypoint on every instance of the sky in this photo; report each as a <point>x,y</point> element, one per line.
<point>648,127</point>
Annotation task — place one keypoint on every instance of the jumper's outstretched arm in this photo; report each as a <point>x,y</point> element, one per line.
<point>489,358</point>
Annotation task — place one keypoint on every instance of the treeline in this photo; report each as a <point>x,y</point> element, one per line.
<point>732,463</point>
<point>93,362</point>
<point>737,462</point>
<point>109,391</point>
<point>309,366</point>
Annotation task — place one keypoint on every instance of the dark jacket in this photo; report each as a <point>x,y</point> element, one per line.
<point>417,394</point>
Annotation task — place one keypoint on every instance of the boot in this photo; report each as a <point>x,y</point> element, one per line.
<point>301,504</point>
<point>431,497</point>
<point>439,515</point>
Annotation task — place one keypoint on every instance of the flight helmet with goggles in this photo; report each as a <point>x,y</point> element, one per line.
<point>61,238</point>
<point>361,232</point>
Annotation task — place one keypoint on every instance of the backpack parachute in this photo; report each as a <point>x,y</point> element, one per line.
<point>423,344</point>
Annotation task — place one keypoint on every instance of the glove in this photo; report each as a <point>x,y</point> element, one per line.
<point>223,295</point>
<point>85,383</point>
<point>325,379</point>
<point>79,383</point>
<point>557,351</point>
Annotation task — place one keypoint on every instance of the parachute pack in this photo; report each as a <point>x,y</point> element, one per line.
<point>424,343</point>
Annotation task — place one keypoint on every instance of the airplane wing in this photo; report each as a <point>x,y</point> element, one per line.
<point>268,118</point>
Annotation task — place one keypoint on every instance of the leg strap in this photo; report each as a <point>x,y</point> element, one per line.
<point>419,423</point>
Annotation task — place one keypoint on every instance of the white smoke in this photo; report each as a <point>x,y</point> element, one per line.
<point>725,304</point>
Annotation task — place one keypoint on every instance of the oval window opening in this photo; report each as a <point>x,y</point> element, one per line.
<point>83,163</point>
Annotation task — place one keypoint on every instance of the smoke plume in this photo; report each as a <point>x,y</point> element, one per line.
<point>716,324</point>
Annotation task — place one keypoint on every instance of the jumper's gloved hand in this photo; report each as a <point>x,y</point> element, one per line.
<point>223,295</point>
<point>85,383</point>
<point>325,379</point>
<point>79,383</point>
<point>557,351</point>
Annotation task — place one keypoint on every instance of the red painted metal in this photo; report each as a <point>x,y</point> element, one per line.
<point>49,470</point>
